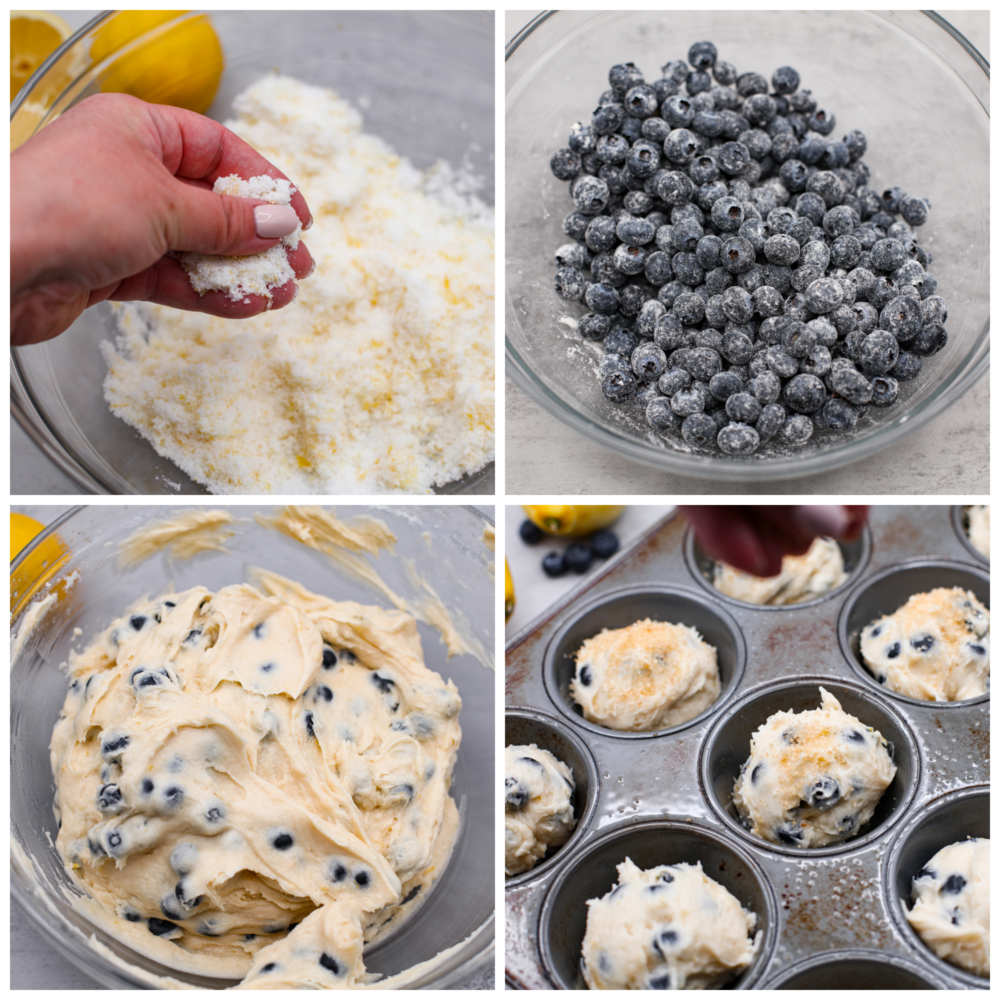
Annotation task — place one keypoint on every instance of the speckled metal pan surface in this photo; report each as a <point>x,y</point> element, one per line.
<point>831,918</point>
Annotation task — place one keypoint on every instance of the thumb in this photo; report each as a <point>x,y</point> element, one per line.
<point>201,221</point>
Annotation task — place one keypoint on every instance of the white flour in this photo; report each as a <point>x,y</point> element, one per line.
<point>380,377</point>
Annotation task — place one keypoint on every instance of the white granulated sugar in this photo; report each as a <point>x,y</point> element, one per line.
<point>379,378</point>
<point>258,273</point>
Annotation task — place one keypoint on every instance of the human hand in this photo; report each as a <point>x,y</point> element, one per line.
<point>100,195</point>
<point>755,538</point>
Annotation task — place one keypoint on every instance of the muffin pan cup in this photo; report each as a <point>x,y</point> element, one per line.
<point>834,908</point>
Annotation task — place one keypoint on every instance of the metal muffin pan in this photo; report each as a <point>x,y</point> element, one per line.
<point>830,917</point>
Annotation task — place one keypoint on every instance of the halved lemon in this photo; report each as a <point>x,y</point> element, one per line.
<point>34,36</point>
<point>181,66</point>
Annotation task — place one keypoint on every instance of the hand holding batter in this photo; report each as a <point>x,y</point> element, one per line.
<point>103,193</point>
<point>755,539</point>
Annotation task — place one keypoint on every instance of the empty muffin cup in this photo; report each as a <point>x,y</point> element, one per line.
<point>954,817</point>
<point>960,522</point>
<point>524,726</point>
<point>621,608</point>
<point>593,873</point>
<point>853,970</point>
<point>886,592</point>
<point>727,747</point>
<point>702,568</point>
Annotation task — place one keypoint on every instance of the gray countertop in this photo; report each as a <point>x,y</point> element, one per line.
<point>948,456</point>
<point>34,963</point>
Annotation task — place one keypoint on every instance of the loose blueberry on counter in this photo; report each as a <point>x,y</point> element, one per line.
<point>554,564</point>
<point>578,557</point>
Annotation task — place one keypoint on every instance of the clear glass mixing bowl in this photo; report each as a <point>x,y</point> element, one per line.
<point>447,549</point>
<point>403,66</point>
<point>913,84</point>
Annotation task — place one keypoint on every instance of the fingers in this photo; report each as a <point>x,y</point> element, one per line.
<point>41,313</point>
<point>167,284</point>
<point>199,150</point>
<point>727,534</point>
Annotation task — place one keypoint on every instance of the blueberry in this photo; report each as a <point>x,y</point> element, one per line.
<point>743,407</point>
<point>914,210</point>
<point>837,415</point>
<point>878,353</point>
<point>565,164</point>
<point>922,643</point>
<point>332,965</point>
<point>823,793</point>
<point>604,543</point>
<point>137,621</point>
<point>804,394</point>
<point>702,55</point>
<point>796,430</point>
<point>953,885</point>
<point>160,927</point>
<point>885,390</point>
<point>892,651</point>
<point>673,380</point>
<point>737,254</point>
<point>618,386</point>
<point>738,439</point>
<point>602,299</point>
<point>591,194</point>
<point>734,158</point>
<point>282,841</point>
<point>109,799</point>
<point>661,417</point>
<point>681,145</point>
<point>578,557</point>
<point>570,283</point>
<point>780,362</point>
<point>554,564</point>
<point>790,835</point>
<point>113,747</point>
<point>851,385</point>
<point>784,80</point>
<point>517,796</point>
<point>755,773</point>
<point>699,430</point>
<point>930,340</point>
<point>659,982</point>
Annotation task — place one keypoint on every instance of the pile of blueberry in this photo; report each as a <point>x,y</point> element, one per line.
<point>745,281</point>
<point>579,556</point>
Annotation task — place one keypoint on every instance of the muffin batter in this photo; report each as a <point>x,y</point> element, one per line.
<point>802,578</point>
<point>538,806</point>
<point>951,911</point>
<point>814,778</point>
<point>668,928</point>
<point>979,528</point>
<point>936,647</point>
<point>252,787</point>
<point>647,676</point>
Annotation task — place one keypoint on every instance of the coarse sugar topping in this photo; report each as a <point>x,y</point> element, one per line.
<point>380,377</point>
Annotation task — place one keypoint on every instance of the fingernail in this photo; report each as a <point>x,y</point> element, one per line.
<point>312,267</point>
<point>274,221</point>
<point>308,225</point>
<point>295,293</point>
<point>822,519</point>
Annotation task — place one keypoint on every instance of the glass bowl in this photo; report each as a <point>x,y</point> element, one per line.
<point>444,546</point>
<point>908,80</point>
<point>388,63</point>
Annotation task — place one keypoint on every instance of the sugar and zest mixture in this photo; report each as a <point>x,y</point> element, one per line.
<point>259,273</point>
<point>379,378</point>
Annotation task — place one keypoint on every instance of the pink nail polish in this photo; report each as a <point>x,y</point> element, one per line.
<point>274,221</point>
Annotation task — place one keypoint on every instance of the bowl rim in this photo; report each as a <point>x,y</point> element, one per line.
<point>797,465</point>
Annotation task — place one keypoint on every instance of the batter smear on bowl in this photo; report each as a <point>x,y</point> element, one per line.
<point>379,378</point>
<point>252,787</point>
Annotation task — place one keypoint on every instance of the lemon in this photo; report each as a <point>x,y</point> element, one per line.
<point>34,36</point>
<point>508,591</point>
<point>182,66</point>
<point>573,519</point>
<point>41,563</point>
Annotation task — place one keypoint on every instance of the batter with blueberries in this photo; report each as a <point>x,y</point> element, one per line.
<point>538,806</point>
<point>936,647</point>
<point>812,778</point>
<point>951,909</point>
<point>802,578</point>
<point>252,784</point>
